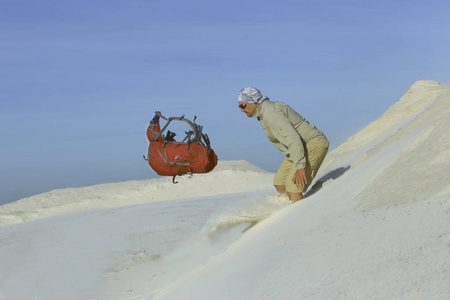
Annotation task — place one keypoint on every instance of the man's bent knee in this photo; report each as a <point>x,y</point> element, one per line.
<point>280,189</point>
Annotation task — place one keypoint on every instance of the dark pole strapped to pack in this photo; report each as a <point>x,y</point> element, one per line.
<point>196,130</point>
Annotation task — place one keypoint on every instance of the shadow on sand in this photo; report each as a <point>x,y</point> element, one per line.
<point>332,175</point>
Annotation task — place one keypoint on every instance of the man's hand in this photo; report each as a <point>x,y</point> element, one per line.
<point>299,178</point>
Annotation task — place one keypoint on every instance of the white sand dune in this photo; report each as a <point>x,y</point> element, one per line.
<point>227,177</point>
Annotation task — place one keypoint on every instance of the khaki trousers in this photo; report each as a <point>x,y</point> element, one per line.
<point>314,154</point>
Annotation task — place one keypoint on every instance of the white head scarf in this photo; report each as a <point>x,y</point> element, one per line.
<point>251,94</point>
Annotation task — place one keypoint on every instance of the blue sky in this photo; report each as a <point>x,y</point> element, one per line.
<point>80,80</point>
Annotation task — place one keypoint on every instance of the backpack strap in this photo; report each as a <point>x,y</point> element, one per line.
<point>192,136</point>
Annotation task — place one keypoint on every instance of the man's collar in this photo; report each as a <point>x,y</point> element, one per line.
<point>258,111</point>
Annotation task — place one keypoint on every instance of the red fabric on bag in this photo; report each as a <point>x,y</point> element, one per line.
<point>198,159</point>
<point>154,128</point>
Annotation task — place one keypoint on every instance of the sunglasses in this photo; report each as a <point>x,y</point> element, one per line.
<point>243,105</point>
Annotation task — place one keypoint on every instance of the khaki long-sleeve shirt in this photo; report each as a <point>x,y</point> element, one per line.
<point>287,130</point>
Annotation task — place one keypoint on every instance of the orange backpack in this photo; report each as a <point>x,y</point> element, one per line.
<point>168,157</point>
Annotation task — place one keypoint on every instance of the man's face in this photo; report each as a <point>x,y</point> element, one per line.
<point>248,108</point>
